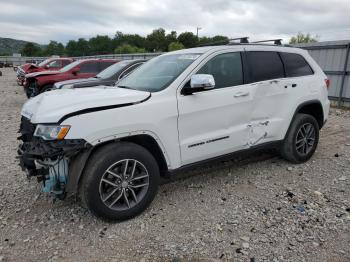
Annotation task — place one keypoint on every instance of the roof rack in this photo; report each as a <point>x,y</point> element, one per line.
<point>242,40</point>
<point>275,41</point>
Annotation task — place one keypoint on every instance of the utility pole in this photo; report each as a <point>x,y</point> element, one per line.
<point>198,28</point>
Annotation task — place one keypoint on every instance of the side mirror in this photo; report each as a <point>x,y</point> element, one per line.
<point>75,71</point>
<point>198,83</point>
<point>46,67</point>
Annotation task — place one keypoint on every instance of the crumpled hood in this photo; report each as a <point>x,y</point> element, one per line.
<point>52,106</point>
<point>42,73</point>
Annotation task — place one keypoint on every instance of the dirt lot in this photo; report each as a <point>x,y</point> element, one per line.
<point>259,208</point>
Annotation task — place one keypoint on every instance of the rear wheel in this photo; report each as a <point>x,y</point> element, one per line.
<point>120,181</point>
<point>301,140</point>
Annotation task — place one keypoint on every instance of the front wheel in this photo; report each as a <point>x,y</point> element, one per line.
<point>301,140</point>
<point>120,181</point>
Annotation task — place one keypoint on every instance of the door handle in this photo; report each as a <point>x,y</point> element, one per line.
<point>240,94</point>
<point>274,81</point>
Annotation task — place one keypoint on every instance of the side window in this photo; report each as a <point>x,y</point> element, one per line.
<point>264,65</point>
<point>295,65</point>
<point>104,65</point>
<point>226,69</point>
<point>65,62</point>
<point>89,67</point>
<point>54,64</point>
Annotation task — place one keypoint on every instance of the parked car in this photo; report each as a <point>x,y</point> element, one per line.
<point>111,145</point>
<point>107,77</point>
<point>48,64</point>
<point>36,83</point>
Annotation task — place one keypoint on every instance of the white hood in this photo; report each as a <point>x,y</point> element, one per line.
<point>51,106</point>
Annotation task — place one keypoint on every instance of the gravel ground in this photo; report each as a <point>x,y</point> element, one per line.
<point>257,208</point>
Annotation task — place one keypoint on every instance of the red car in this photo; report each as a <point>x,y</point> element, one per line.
<point>39,82</point>
<point>48,64</point>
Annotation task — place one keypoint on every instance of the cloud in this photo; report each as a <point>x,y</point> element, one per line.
<point>42,20</point>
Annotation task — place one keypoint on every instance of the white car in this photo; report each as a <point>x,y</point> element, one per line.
<point>110,145</point>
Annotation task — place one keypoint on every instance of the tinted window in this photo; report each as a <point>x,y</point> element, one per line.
<point>295,65</point>
<point>264,65</point>
<point>89,67</point>
<point>226,70</point>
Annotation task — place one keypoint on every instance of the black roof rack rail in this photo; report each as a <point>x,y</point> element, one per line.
<point>242,40</point>
<point>275,41</point>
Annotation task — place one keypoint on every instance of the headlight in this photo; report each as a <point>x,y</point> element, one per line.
<point>66,86</point>
<point>51,132</point>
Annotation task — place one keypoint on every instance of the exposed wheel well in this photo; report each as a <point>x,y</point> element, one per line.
<point>314,109</point>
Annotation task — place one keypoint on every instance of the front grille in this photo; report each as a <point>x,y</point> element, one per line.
<point>26,129</point>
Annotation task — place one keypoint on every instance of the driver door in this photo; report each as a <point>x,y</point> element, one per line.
<point>215,122</point>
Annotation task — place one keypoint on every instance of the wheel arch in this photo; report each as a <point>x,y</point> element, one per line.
<point>78,163</point>
<point>311,107</point>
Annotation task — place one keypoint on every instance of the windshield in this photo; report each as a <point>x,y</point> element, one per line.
<point>69,66</point>
<point>44,62</point>
<point>158,73</point>
<point>112,70</point>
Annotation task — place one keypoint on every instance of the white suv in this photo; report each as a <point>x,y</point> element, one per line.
<point>110,145</point>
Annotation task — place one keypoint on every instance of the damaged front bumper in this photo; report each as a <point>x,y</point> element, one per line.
<point>49,161</point>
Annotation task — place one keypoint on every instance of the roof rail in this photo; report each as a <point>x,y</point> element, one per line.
<point>275,41</point>
<point>223,42</point>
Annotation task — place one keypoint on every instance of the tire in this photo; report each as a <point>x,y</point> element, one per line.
<point>295,147</point>
<point>94,191</point>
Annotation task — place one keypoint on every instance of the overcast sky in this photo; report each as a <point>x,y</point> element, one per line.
<point>44,20</point>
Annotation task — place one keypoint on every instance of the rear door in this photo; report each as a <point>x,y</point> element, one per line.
<point>214,122</point>
<point>266,72</point>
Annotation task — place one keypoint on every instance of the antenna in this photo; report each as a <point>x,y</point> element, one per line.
<point>275,41</point>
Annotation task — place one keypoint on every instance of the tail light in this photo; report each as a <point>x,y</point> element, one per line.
<point>328,83</point>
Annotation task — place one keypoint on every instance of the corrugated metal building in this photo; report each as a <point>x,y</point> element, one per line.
<point>333,57</point>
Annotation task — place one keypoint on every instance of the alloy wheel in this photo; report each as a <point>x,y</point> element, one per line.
<point>305,139</point>
<point>124,184</point>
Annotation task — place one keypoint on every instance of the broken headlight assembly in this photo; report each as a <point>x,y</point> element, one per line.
<point>51,132</point>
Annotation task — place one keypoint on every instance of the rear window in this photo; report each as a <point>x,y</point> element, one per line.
<point>295,65</point>
<point>264,65</point>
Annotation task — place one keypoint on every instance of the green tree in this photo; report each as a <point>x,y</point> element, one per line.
<point>188,39</point>
<point>128,49</point>
<point>303,38</point>
<point>31,49</point>
<point>82,47</point>
<point>175,46</point>
<point>130,39</point>
<point>71,48</point>
<point>101,44</point>
<point>54,48</point>
<point>156,41</point>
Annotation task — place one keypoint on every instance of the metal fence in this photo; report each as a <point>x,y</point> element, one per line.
<point>15,60</point>
<point>333,57</point>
